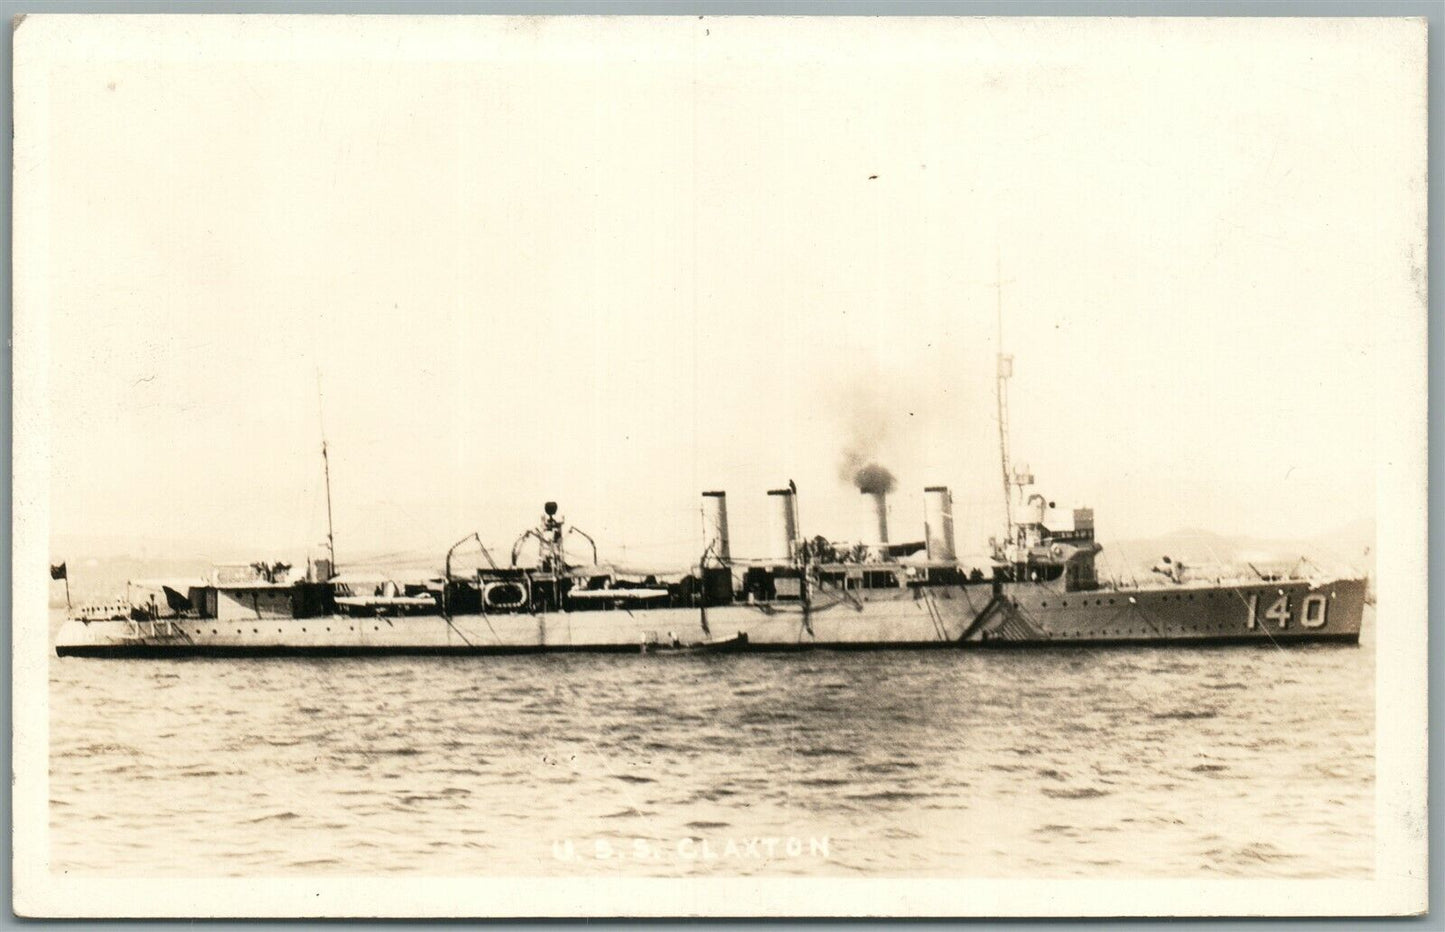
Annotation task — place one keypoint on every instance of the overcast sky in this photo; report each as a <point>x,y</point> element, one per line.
<point>617,263</point>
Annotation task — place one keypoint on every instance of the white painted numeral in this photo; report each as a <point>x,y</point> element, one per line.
<point>1252,621</point>
<point>1279,611</point>
<point>1312,611</point>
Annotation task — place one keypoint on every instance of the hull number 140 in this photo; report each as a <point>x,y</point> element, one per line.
<point>1312,611</point>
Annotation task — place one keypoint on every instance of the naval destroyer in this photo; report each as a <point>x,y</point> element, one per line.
<point>1041,587</point>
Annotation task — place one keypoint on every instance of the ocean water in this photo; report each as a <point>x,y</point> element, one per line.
<point>1131,762</point>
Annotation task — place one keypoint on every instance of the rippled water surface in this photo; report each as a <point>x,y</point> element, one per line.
<point>1232,761</point>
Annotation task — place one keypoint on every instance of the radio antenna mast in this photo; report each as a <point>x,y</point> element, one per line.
<point>1005,372</point>
<point>326,472</point>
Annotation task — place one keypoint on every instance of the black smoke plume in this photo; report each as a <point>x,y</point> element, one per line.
<point>864,473</point>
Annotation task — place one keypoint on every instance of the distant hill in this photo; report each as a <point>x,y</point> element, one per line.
<point>97,578</point>
<point>103,576</point>
<point>1348,549</point>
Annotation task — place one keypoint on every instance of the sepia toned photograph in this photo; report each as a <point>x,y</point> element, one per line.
<point>723,466</point>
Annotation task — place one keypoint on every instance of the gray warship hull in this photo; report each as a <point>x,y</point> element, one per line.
<point>973,615</point>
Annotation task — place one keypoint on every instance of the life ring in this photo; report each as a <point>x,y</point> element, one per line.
<point>1056,550</point>
<point>504,595</point>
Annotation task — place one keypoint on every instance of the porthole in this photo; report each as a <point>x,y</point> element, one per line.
<point>213,630</point>
<point>1043,605</point>
<point>238,630</point>
<point>328,630</point>
<point>254,631</point>
<point>303,630</point>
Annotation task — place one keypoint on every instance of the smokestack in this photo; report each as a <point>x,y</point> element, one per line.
<point>938,523</point>
<point>782,525</point>
<point>715,526</point>
<point>875,517</point>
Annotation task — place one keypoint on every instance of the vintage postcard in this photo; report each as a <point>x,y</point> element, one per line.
<point>672,466</point>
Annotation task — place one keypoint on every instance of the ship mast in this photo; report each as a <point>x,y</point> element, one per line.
<point>1005,370</point>
<point>330,531</point>
<point>326,472</point>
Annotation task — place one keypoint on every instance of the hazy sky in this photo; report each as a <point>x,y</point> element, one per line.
<point>616,263</point>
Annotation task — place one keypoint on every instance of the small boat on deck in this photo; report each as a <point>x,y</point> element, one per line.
<point>365,595</point>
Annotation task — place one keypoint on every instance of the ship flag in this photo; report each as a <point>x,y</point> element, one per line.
<point>58,571</point>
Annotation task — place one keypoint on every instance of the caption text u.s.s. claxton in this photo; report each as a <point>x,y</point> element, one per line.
<point>762,848</point>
